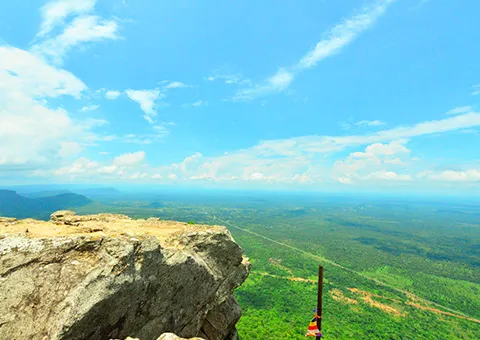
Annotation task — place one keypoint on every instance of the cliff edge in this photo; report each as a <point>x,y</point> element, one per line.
<point>109,276</point>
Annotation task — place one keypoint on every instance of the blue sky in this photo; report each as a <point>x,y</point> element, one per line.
<point>350,95</point>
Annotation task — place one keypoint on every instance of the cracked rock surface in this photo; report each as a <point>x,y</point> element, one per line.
<point>111,277</point>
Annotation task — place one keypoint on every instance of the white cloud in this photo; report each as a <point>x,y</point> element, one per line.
<point>345,180</point>
<point>146,99</point>
<point>112,94</point>
<point>325,144</point>
<point>55,12</point>
<point>161,131</point>
<point>79,167</point>
<point>241,166</point>
<point>476,90</point>
<point>173,177</point>
<point>25,74</point>
<point>138,175</point>
<point>373,164</point>
<point>459,110</point>
<point>256,176</point>
<point>200,103</point>
<point>229,78</point>
<point>292,160</point>
<point>281,80</point>
<point>94,122</point>
<point>276,83</point>
<point>83,29</point>
<point>108,169</point>
<point>344,33</point>
<point>88,108</point>
<point>32,132</point>
<point>301,178</point>
<point>394,161</point>
<point>129,159</point>
<point>385,161</point>
<point>335,39</point>
<point>471,175</point>
<point>174,85</point>
<point>123,167</point>
<point>379,149</point>
<point>370,123</point>
<point>387,176</point>
<point>134,139</point>
<point>91,139</point>
<point>363,123</point>
<point>68,149</point>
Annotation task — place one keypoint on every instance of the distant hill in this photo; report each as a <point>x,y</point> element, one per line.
<point>14,205</point>
<point>96,192</point>
<point>44,190</point>
<point>49,193</point>
<point>39,191</point>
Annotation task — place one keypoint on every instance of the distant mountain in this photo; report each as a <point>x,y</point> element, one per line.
<point>39,191</point>
<point>43,190</point>
<point>14,205</point>
<point>96,192</point>
<point>48,193</point>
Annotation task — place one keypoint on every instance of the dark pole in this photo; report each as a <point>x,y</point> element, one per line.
<point>319,302</point>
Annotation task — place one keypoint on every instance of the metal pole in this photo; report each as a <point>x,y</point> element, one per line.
<point>319,302</point>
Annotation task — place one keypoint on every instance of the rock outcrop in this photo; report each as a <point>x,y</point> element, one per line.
<point>110,277</point>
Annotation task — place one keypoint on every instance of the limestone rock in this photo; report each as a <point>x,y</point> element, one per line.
<point>171,336</point>
<point>109,276</point>
<point>220,321</point>
<point>61,214</point>
<point>7,220</point>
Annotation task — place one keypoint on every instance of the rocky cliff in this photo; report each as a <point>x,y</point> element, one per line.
<point>109,276</point>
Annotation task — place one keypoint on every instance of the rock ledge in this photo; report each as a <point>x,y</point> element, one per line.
<point>110,277</point>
